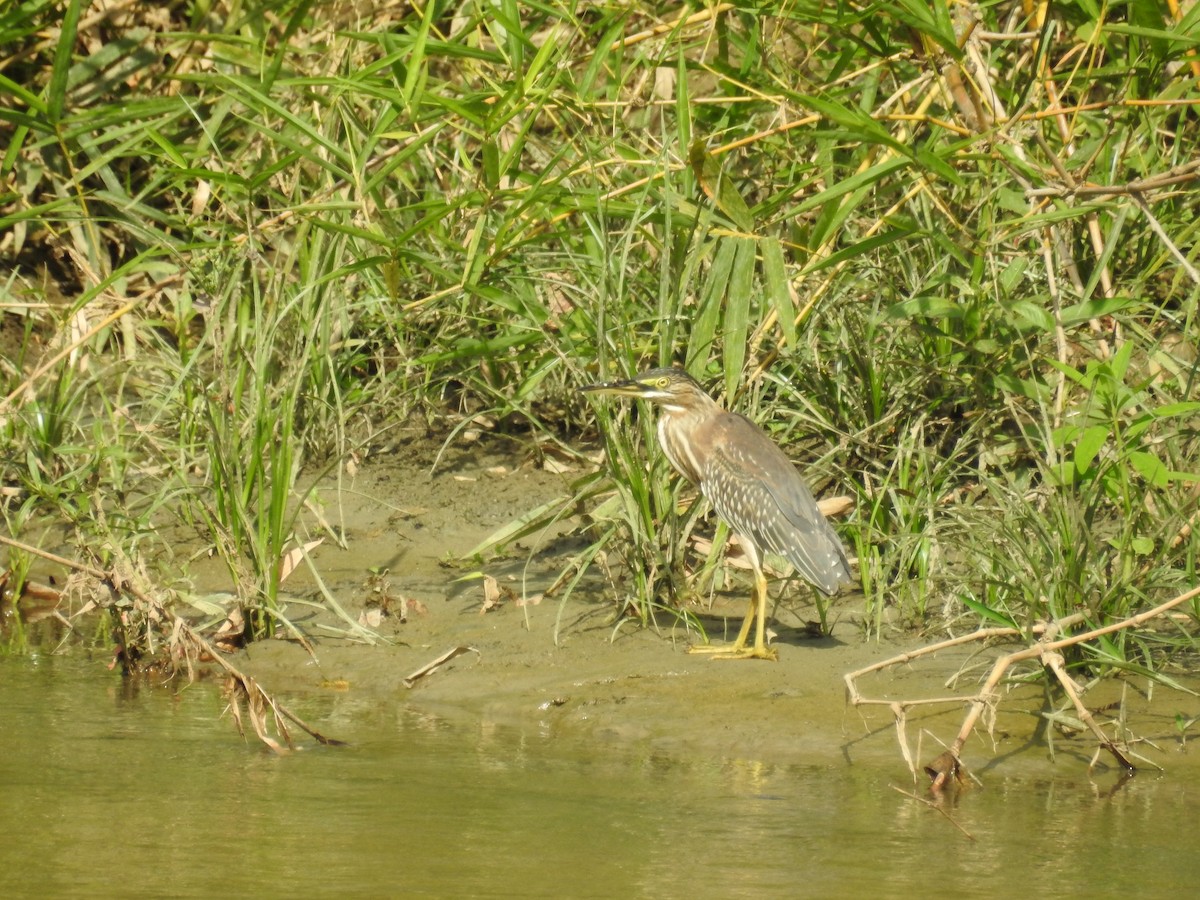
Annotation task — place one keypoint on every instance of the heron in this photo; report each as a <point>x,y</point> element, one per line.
<point>750,483</point>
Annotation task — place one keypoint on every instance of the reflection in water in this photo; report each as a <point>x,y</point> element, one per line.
<point>113,788</point>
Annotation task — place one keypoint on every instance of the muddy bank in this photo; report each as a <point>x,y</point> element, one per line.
<point>618,683</point>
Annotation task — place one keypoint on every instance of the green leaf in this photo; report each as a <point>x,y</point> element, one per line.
<point>57,99</point>
<point>1090,443</point>
<point>1094,309</point>
<point>1029,388</point>
<point>861,248</point>
<point>491,163</point>
<point>1034,315</point>
<point>877,174</point>
<point>1119,364</point>
<point>415,68</point>
<point>30,99</point>
<point>683,101</point>
<point>1163,41</point>
<point>1077,377</point>
<point>525,524</point>
<point>854,120</point>
<point>1012,274</point>
<point>1150,467</point>
<point>715,286</point>
<point>1170,410</point>
<point>718,187</point>
<point>778,291</point>
<point>931,20</point>
<point>737,312</point>
<point>989,614</point>
<point>935,163</point>
<point>926,306</point>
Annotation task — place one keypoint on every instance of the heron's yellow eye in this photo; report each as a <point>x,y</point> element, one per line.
<point>663,382</point>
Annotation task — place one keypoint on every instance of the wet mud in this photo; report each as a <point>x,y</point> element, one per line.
<point>613,682</point>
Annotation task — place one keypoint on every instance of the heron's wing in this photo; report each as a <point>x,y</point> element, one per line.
<point>756,489</point>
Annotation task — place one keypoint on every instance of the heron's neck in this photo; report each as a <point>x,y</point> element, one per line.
<point>678,434</point>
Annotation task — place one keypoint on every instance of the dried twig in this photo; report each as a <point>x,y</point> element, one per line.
<point>432,666</point>
<point>1173,177</point>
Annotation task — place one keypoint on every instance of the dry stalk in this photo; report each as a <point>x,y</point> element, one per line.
<point>682,21</point>
<point>1056,664</point>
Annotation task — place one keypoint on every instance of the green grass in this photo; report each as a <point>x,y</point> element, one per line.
<point>945,254</point>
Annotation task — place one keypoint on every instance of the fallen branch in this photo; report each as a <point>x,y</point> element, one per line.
<point>1045,650</point>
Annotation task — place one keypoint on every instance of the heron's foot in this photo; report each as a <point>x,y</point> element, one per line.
<point>733,651</point>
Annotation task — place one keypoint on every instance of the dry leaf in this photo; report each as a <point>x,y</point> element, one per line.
<point>491,593</point>
<point>292,558</point>
<point>200,197</point>
<point>494,594</point>
<point>232,632</point>
<point>835,506</point>
<point>946,773</point>
<point>556,466</point>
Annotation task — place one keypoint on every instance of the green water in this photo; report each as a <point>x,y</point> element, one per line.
<point>107,789</point>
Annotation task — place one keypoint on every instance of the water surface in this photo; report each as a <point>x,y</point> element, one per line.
<point>110,787</point>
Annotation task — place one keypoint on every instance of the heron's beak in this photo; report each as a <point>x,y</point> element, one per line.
<point>616,388</point>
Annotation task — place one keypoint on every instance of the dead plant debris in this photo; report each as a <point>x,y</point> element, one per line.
<point>947,768</point>
<point>138,614</point>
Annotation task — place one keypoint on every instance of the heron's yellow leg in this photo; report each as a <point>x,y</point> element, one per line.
<point>738,649</point>
<point>761,651</point>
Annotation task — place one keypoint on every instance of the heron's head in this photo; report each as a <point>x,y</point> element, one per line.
<point>673,389</point>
